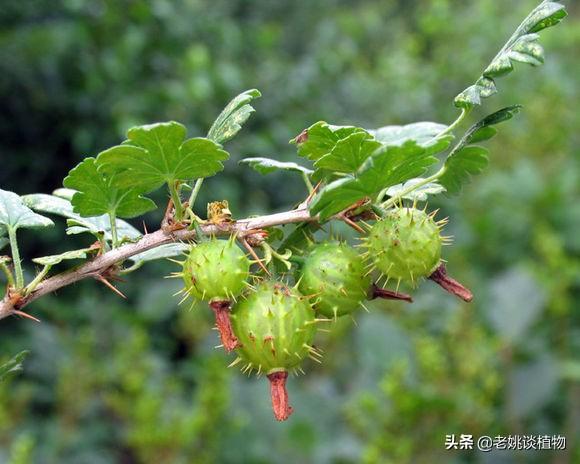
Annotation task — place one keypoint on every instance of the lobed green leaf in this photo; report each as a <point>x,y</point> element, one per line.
<point>522,47</point>
<point>267,166</point>
<point>420,193</point>
<point>425,133</point>
<point>320,138</point>
<point>60,206</point>
<point>420,132</point>
<point>459,168</point>
<point>156,154</point>
<point>99,194</point>
<point>13,366</point>
<point>387,166</point>
<point>230,120</point>
<point>466,159</point>
<point>14,214</point>
<point>52,260</point>
<point>349,153</point>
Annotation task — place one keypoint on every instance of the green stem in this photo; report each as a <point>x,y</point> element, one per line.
<point>113,222</point>
<point>194,192</point>
<point>393,200</point>
<point>32,285</point>
<point>454,124</point>
<point>297,259</point>
<point>194,219</point>
<point>176,201</point>
<point>16,258</point>
<point>132,268</point>
<point>309,185</point>
<point>103,241</point>
<point>378,210</point>
<point>9,277</point>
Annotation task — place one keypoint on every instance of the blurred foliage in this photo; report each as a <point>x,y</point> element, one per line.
<point>139,381</point>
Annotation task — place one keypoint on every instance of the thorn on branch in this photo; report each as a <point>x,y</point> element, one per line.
<point>441,278</point>
<point>168,216</point>
<point>311,194</point>
<point>252,252</point>
<point>366,215</point>
<point>356,212</point>
<point>104,263</point>
<point>98,247</point>
<point>351,223</point>
<point>104,281</point>
<point>168,224</point>
<point>23,314</point>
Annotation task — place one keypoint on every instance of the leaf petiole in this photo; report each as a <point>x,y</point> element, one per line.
<point>16,258</point>
<point>113,222</point>
<point>393,200</point>
<point>194,192</point>
<point>4,267</point>
<point>309,185</point>
<point>173,191</point>
<point>32,285</point>
<point>454,124</point>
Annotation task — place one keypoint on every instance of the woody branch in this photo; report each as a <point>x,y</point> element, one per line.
<point>98,266</point>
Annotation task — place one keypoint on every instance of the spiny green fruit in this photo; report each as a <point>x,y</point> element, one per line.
<point>275,326</point>
<point>405,245</point>
<point>217,271</point>
<point>335,274</point>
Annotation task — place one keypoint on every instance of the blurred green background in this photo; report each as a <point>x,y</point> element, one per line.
<point>139,381</point>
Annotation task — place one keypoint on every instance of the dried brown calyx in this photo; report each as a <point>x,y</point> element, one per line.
<point>282,410</point>
<point>441,278</point>
<point>221,310</point>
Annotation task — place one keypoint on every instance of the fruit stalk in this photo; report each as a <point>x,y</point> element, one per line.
<point>280,406</point>
<point>221,310</point>
<point>377,292</point>
<point>440,277</point>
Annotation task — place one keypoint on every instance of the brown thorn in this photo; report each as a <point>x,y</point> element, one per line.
<point>311,194</point>
<point>377,292</point>
<point>364,216</point>
<point>441,278</point>
<point>111,286</point>
<point>352,224</point>
<point>248,247</point>
<point>221,310</point>
<point>23,314</point>
<point>255,237</point>
<point>280,406</point>
<point>145,228</point>
<point>96,246</point>
<point>167,221</point>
